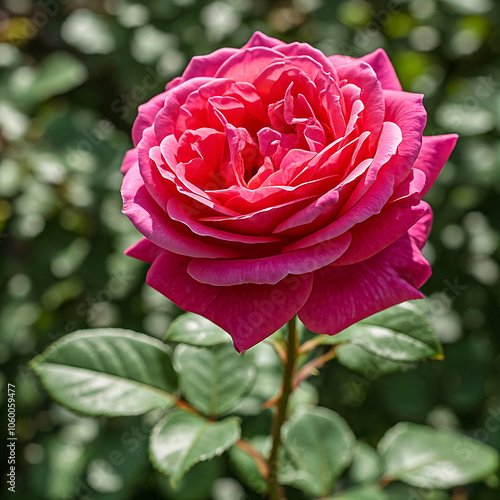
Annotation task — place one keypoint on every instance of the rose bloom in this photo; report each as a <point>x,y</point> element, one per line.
<point>272,180</point>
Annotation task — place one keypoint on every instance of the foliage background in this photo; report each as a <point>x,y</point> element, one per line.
<point>72,73</point>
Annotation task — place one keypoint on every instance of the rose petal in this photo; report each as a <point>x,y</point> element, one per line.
<point>420,232</point>
<point>247,201</point>
<point>381,230</point>
<point>434,154</point>
<point>187,215</point>
<point>175,172</point>
<point>259,39</point>
<point>344,295</point>
<point>406,110</point>
<point>364,77</point>
<point>166,119</point>
<point>368,198</point>
<point>201,151</point>
<point>268,270</point>
<point>382,65</point>
<point>249,313</point>
<point>159,189</point>
<point>411,188</point>
<point>152,222</point>
<point>327,204</point>
<point>245,65</point>
<point>196,111</point>
<point>304,49</point>
<point>303,72</point>
<point>129,159</point>
<point>207,65</point>
<point>261,221</point>
<point>143,250</point>
<point>146,116</point>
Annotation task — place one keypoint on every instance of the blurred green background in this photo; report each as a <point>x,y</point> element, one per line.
<point>72,73</point>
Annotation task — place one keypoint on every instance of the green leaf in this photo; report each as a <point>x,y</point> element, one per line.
<point>195,330</point>
<point>369,365</point>
<point>371,492</point>
<point>181,440</point>
<point>214,380</point>
<point>249,472</point>
<point>267,381</point>
<point>366,465</point>
<point>304,395</point>
<point>400,333</point>
<point>320,445</point>
<point>108,371</point>
<point>245,465</point>
<point>432,458</point>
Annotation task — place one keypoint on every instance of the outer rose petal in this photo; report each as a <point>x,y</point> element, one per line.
<point>259,39</point>
<point>380,63</point>
<point>343,295</point>
<point>143,250</point>
<point>268,270</point>
<point>156,185</point>
<point>205,65</point>
<point>129,160</point>
<point>435,152</point>
<point>420,231</point>
<point>250,313</point>
<point>146,116</point>
<point>209,64</point>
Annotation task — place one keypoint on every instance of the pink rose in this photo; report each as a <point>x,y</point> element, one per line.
<point>272,180</point>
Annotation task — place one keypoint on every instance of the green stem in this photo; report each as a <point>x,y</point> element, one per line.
<point>275,489</point>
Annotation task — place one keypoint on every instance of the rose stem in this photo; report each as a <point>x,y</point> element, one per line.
<point>275,489</point>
